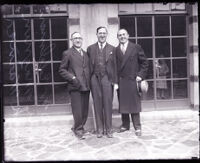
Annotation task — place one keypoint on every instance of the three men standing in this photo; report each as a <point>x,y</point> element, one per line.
<point>74,69</point>
<point>103,71</point>
<point>132,67</point>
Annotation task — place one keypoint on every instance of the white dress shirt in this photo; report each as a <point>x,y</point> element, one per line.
<point>103,45</point>
<point>124,47</point>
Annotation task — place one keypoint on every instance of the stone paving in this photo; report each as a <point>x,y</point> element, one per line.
<point>166,135</point>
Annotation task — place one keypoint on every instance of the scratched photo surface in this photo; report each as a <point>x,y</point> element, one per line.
<point>36,101</point>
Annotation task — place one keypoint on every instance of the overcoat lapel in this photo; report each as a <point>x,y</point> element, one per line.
<point>126,55</point>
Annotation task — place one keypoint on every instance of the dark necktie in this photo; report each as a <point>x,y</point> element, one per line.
<point>101,47</point>
<point>80,51</point>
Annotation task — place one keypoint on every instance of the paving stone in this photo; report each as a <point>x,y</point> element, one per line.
<point>190,143</point>
<point>53,148</point>
<point>166,138</point>
<point>148,137</point>
<point>100,142</point>
<point>43,156</point>
<point>162,146</point>
<point>177,150</point>
<point>35,146</point>
<point>130,147</point>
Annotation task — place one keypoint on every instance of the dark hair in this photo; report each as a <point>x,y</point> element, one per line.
<point>73,34</point>
<point>100,28</point>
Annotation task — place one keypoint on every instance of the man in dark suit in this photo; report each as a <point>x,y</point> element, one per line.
<point>74,69</point>
<point>132,66</point>
<point>103,77</point>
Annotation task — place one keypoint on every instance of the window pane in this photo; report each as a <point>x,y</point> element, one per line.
<point>57,77</point>
<point>163,69</point>
<point>150,70</point>
<point>163,89</point>
<point>61,94</point>
<point>25,73</point>
<point>162,47</point>
<point>10,96</point>
<point>26,95</point>
<point>7,33</point>
<point>146,45</point>
<point>59,28</point>
<point>23,29</point>
<point>144,26</point>
<point>58,48</point>
<point>179,64</point>
<point>24,51</point>
<point>22,9</point>
<point>41,28</point>
<point>42,51</point>
<point>150,93</point>
<point>8,52</point>
<point>9,76</point>
<point>44,94</point>
<point>180,89</point>
<point>58,8</point>
<point>132,40</point>
<point>179,47</point>
<point>45,73</point>
<point>128,23</point>
<point>162,26</point>
<point>40,9</point>
<point>178,25</point>
<point>6,9</point>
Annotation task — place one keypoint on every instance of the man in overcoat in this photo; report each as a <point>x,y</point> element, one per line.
<point>132,67</point>
<point>74,68</point>
<point>103,77</point>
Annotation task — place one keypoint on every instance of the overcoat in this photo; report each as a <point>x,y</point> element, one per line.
<point>73,64</point>
<point>130,65</point>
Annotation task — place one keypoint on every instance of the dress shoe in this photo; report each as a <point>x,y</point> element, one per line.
<point>138,133</point>
<point>99,135</point>
<point>84,131</point>
<point>81,137</point>
<point>123,129</point>
<point>109,135</point>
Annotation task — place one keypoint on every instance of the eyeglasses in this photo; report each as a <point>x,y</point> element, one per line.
<point>77,38</point>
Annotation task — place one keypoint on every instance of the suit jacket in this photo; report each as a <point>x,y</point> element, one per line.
<point>110,57</point>
<point>130,65</point>
<point>73,64</point>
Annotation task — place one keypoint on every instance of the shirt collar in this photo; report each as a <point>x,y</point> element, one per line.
<point>125,44</point>
<point>104,44</point>
<point>78,49</point>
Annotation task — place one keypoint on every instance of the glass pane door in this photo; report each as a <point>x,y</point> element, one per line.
<point>32,51</point>
<point>163,38</point>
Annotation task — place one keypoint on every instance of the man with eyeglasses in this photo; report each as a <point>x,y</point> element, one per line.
<point>103,78</point>
<point>74,68</point>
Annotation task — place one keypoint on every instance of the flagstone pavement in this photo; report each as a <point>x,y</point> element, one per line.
<point>165,135</point>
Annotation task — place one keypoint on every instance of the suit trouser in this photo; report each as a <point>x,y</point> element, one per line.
<point>102,93</point>
<point>135,119</point>
<point>80,105</point>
